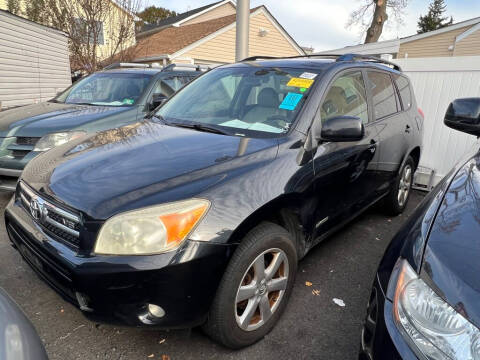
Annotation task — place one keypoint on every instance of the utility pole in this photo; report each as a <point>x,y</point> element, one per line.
<point>243,24</point>
<point>241,49</point>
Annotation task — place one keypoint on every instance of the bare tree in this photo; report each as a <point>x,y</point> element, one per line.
<point>97,30</point>
<point>373,14</point>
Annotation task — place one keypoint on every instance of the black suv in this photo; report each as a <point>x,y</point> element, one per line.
<point>198,215</point>
<point>123,93</point>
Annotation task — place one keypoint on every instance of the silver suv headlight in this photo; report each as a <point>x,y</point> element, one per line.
<point>151,230</point>
<point>50,141</point>
<point>436,329</point>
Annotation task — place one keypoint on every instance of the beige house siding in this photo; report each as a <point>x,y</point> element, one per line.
<point>221,48</point>
<point>110,28</point>
<point>470,46</point>
<point>432,46</point>
<point>221,11</point>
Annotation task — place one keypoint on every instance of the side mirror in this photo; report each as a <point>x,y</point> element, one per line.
<point>464,115</point>
<point>157,100</point>
<point>342,128</point>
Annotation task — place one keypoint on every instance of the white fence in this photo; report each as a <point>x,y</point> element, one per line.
<point>436,82</point>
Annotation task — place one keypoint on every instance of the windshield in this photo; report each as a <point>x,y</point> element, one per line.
<point>112,89</point>
<point>248,101</point>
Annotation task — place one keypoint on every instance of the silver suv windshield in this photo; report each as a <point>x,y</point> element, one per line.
<point>248,101</point>
<point>110,89</point>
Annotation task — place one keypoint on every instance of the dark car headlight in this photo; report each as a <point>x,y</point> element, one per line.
<point>151,230</point>
<point>435,328</point>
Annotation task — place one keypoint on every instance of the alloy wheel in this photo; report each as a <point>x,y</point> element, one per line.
<point>261,289</point>
<point>404,185</point>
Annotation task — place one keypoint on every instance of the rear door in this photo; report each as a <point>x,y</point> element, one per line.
<point>345,171</point>
<point>393,126</point>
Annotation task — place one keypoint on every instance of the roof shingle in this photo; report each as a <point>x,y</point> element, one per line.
<point>172,39</point>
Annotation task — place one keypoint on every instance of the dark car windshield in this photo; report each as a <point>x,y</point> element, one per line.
<point>242,100</point>
<point>112,89</point>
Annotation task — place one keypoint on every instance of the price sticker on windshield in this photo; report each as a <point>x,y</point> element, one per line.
<point>300,83</point>
<point>291,101</point>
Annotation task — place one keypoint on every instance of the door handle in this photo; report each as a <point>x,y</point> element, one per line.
<point>407,129</point>
<point>373,146</point>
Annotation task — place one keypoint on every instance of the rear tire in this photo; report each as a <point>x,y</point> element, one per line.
<point>397,200</point>
<point>251,297</point>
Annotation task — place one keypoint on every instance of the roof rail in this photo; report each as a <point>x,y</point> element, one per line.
<point>368,58</point>
<point>126,65</point>
<point>187,67</point>
<point>338,57</point>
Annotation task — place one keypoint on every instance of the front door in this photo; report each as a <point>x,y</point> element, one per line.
<point>345,180</point>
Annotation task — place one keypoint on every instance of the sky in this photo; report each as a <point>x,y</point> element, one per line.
<point>321,23</point>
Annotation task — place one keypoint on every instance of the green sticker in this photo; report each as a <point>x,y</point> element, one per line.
<point>303,89</point>
<point>128,101</point>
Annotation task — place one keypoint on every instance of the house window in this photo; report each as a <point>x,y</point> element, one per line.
<point>86,31</point>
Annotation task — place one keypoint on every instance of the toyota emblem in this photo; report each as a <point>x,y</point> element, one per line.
<point>35,209</point>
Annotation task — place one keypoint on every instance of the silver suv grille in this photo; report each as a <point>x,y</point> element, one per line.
<point>61,224</point>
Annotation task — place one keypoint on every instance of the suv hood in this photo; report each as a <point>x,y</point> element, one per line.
<point>452,253</point>
<point>140,165</point>
<point>44,118</point>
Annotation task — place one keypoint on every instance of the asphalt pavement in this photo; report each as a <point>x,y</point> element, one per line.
<point>312,327</point>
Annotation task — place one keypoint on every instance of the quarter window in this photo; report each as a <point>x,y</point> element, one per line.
<point>346,97</point>
<point>404,88</point>
<point>383,94</point>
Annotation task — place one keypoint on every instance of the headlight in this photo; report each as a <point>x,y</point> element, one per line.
<point>151,230</point>
<point>433,326</point>
<point>50,141</point>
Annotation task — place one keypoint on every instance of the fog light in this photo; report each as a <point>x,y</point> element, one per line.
<point>152,315</point>
<point>156,311</point>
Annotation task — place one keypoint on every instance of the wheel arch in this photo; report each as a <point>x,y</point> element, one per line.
<point>289,211</point>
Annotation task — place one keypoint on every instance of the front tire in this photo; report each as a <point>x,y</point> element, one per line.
<point>255,288</point>
<point>396,201</point>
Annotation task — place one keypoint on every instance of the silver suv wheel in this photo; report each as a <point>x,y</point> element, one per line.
<point>261,289</point>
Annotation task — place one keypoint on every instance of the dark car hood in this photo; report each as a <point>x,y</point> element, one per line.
<point>40,119</point>
<point>453,249</point>
<point>117,170</point>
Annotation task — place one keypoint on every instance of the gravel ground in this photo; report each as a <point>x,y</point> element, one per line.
<point>312,327</point>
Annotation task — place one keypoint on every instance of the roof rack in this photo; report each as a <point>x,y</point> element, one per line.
<point>187,67</point>
<point>337,57</point>
<point>130,65</point>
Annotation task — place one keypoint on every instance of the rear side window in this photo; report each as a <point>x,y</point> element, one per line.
<point>383,94</point>
<point>404,89</point>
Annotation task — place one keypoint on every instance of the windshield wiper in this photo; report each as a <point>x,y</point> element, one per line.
<point>200,127</point>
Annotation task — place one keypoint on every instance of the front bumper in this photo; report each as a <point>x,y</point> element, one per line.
<point>117,289</point>
<point>381,339</point>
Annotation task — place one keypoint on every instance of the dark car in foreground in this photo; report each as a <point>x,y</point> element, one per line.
<point>425,298</point>
<point>199,215</point>
<point>111,98</point>
<point>18,338</point>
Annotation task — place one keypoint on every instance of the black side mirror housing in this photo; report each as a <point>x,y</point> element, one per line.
<point>464,115</point>
<point>342,128</point>
<point>157,100</point>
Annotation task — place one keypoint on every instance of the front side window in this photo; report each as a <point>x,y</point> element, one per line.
<point>404,89</point>
<point>246,100</point>
<point>346,97</point>
<point>383,94</point>
<point>169,85</point>
<point>110,89</point>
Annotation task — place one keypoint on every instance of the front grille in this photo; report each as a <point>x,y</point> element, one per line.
<point>23,140</point>
<point>62,225</point>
